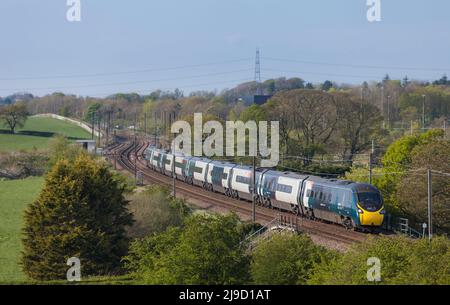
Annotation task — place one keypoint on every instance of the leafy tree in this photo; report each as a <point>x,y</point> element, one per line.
<point>207,250</point>
<point>397,160</point>
<point>311,116</point>
<point>412,192</point>
<point>403,261</point>
<point>92,112</point>
<point>253,113</point>
<point>327,85</point>
<point>309,86</point>
<point>442,81</point>
<point>154,210</point>
<point>61,148</point>
<point>286,260</point>
<point>436,102</point>
<point>14,115</point>
<point>359,122</point>
<point>81,212</point>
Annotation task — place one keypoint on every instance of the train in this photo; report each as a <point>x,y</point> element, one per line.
<point>357,206</point>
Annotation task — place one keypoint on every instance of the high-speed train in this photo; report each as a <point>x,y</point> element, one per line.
<point>354,205</point>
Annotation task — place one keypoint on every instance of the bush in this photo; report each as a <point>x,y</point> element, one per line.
<point>403,261</point>
<point>207,250</point>
<point>286,260</point>
<point>19,165</point>
<point>80,212</point>
<point>154,210</point>
<point>60,148</point>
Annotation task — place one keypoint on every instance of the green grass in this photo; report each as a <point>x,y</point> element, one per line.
<point>37,132</point>
<point>15,195</point>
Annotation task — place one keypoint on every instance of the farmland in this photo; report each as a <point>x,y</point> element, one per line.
<point>15,195</point>
<point>37,132</point>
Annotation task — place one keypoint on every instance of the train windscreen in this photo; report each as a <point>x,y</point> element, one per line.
<point>370,201</point>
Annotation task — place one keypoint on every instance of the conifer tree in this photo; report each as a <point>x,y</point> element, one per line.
<point>81,212</point>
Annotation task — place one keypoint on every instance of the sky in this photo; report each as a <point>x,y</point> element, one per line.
<point>144,45</point>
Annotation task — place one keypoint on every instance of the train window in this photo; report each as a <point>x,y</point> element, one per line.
<point>347,199</point>
<point>168,161</point>
<point>312,194</point>
<point>198,169</point>
<point>242,179</point>
<point>284,188</point>
<point>308,193</point>
<point>225,176</point>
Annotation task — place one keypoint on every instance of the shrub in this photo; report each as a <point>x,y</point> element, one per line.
<point>403,261</point>
<point>207,250</point>
<point>80,212</point>
<point>285,260</point>
<point>154,210</point>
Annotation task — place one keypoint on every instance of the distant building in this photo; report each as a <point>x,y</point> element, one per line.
<point>261,99</point>
<point>254,99</point>
<point>88,145</point>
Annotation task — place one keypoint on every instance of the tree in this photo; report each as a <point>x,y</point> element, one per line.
<point>93,112</point>
<point>396,162</point>
<point>311,115</point>
<point>207,250</point>
<point>358,124</point>
<point>285,260</point>
<point>327,85</point>
<point>14,115</point>
<point>81,212</point>
<point>403,261</point>
<point>412,192</point>
<point>154,210</point>
<point>62,149</point>
<point>253,113</point>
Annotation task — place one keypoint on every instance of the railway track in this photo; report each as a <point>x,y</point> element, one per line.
<point>130,157</point>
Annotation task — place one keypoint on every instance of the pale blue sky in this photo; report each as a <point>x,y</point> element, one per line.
<point>128,36</point>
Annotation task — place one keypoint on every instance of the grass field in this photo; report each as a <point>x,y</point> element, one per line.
<point>15,195</point>
<point>37,132</point>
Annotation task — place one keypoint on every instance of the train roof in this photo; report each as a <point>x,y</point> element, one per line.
<point>247,167</point>
<point>286,174</point>
<point>218,162</point>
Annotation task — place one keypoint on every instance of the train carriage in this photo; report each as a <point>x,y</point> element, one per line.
<point>241,180</point>
<point>218,176</point>
<point>181,163</point>
<point>282,190</point>
<point>196,171</point>
<point>156,160</point>
<point>339,201</point>
<point>167,164</point>
<point>148,155</point>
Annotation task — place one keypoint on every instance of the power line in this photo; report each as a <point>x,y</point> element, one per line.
<point>124,72</point>
<point>127,83</point>
<point>144,91</point>
<point>356,66</point>
<point>324,74</point>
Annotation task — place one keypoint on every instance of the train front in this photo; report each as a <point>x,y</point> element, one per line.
<point>370,206</point>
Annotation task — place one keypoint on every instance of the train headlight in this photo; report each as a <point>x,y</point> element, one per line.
<point>383,211</point>
<point>360,211</point>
